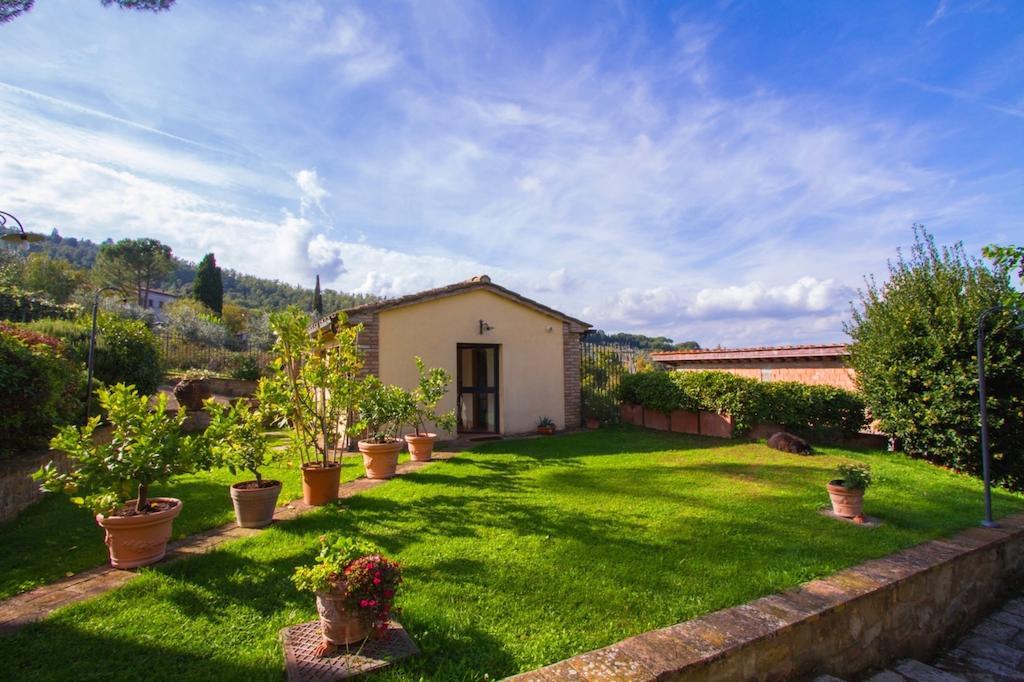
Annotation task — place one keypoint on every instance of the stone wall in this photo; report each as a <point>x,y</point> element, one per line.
<point>910,604</point>
<point>17,489</point>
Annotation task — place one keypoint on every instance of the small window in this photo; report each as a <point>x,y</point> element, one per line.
<point>766,374</point>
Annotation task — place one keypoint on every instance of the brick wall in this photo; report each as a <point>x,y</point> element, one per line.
<point>571,353</point>
<point>369,342</point>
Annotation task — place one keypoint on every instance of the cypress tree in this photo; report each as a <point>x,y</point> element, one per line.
<point>318,299</point>
<point>208,288</point>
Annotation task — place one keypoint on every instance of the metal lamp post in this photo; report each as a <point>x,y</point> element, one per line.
<point>983,409</point>
<point>21,237</point>
<point>92,349</point>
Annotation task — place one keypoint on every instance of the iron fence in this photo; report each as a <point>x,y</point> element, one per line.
<point>240,360</point>
<point>602,367</point>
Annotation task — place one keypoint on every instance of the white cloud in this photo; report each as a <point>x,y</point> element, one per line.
<point>359,49</point>
<point>313,192</point>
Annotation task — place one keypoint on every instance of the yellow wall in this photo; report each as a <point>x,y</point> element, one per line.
<point>530,378</point>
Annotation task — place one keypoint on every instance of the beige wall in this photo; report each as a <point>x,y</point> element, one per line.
<point>826,371</point>
<point>530,357</point>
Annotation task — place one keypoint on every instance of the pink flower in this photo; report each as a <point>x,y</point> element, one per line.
<point>376,581</point>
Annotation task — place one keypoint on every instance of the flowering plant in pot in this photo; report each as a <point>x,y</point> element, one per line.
<point>312,389</point>
<point>847,489</point>
<point>382,411</point>
<point>545,426</point>
<point>432,388</point>
<point>236,439</point>
<point>146,447</point>
<point>192,389</point>
<point>355,587</point>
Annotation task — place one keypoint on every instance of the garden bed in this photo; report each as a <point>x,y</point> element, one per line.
<point>516,555</point>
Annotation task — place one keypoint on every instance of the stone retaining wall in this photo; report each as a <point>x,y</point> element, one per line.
<point>910,604</point>
<point>231,388</point>
<point>17,489</point>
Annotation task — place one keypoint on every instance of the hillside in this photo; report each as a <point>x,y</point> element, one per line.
<point>239,288</point>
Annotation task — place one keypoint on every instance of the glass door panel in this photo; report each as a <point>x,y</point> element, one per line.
<point>478,388</point>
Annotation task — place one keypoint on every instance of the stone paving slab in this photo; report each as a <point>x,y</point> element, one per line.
<point>36,604</point>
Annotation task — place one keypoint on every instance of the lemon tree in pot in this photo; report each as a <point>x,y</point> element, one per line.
<point>146,447</point>
<point>312,389</point>
<point>236,439</point>
<point>382,411</point>
<point>847,489</point>
<point>433,386</point>
<point>355,587</point>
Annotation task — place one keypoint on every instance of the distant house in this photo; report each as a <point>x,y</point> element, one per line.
<point>513,360</point>
<point>809,364</point>
<point>155,300</point>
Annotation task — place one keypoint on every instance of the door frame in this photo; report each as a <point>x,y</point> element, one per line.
<point>496,391</point>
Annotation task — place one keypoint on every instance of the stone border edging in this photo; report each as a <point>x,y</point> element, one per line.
<point>38,603</point>
<point>908,604</point>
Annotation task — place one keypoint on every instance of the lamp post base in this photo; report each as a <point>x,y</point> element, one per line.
<point>989,524</point>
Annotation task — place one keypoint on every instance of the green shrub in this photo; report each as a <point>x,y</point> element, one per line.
<point>40,390</point>
<point>821,411</point>
<point>245,367</point>
<point>126,350</point>
<point>915,355</point>
<point>20,306</point>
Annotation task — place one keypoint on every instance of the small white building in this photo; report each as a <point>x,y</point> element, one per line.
<point>155,300</point>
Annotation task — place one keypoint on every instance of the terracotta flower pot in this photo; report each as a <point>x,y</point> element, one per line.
<point>846,502</point>
<point>339,625</point>
<point>546,430</point>
<point>254,507</point>
<point>320,484</point>
<point>421,448</point>
<point>380,459</point>
<point>190,393</point>
<point>593,423</point>
<point>139,540</point>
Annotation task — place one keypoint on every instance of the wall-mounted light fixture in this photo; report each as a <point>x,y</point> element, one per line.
<point>484,327</point>
<point>20,237</point>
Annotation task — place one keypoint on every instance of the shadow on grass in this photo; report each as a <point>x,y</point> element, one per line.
<point>88,656</point>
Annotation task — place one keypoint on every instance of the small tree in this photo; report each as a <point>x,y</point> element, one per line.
<point>315,383</point>
<point>54,277</point>
<point>914,351</point>
<point>208,287</point>
<point>146,447</point>
<point>433,386</point>
<point>237,439</point>
<point>383,409</point>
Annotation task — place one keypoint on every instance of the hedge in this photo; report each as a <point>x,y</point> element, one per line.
<point>822,411</point>
<point>20,306</point>
<point>40,389</point>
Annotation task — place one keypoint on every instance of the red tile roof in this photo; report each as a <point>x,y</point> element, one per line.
<point>796,352</point>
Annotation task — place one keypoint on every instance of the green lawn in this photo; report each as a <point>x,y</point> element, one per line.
<point>54,538</point>
<point>517,554</point>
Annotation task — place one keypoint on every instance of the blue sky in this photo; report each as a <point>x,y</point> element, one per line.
<point>726,172</point>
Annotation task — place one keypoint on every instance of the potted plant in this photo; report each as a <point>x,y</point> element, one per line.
<point>236,439</point>
<point>382,411</point>
<point>847,490</point>
<point>432,387</point>
<point>545,426</point>
<point>355,587</point>
<point>312,389</point>
<point>192,389</point>
<point>146,447</point>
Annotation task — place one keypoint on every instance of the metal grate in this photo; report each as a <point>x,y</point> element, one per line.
<point>302,664</point>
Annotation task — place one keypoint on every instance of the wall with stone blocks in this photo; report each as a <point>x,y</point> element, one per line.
<point>17,489</point>
<point>910,604</point>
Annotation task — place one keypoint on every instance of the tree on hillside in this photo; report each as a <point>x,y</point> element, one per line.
<point>208,287</point>
<point>133,266</point>
<point>55,278</point>
<point>914,351</point>
<point>12,9</point>
<point>318,299</point>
